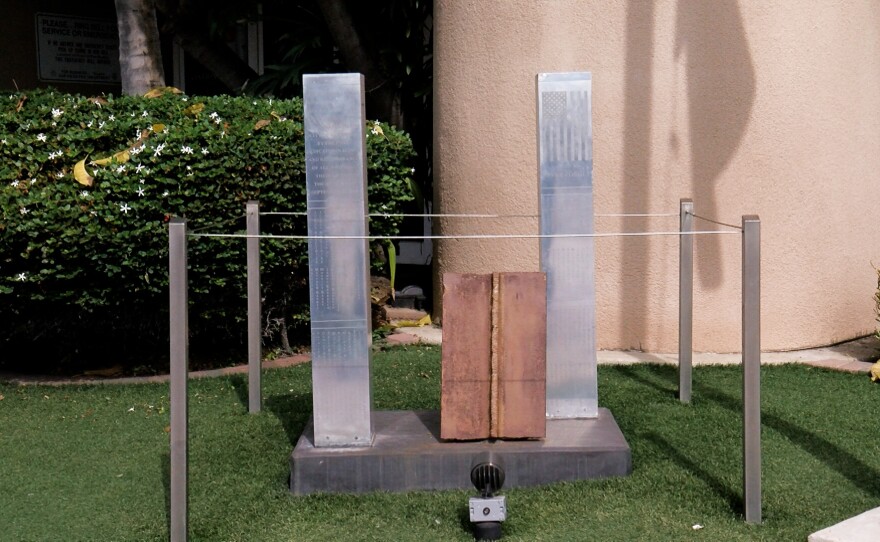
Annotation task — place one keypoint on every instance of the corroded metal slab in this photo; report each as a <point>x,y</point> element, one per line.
<point>465,373</point>
<point>336,188</point>
<point>565,157</point>
<point>519,330</point>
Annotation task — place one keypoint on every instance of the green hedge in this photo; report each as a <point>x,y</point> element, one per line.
<point>877,301</point>
<point>83,269</point>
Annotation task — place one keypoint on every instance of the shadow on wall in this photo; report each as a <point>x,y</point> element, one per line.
<point>711,42</point>
<point>720,77</point>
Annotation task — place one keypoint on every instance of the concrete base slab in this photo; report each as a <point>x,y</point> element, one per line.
<point>862,528</point>
<point>407,454</point>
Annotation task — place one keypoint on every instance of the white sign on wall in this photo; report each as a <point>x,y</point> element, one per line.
<point>77,49</point>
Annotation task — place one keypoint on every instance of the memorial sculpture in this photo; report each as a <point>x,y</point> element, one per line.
<point>349,448</point>
<point>565,163</point>
<point>336,188</point>
<point>494,352</point>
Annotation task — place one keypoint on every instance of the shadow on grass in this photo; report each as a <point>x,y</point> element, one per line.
<point>240,385</point>
<point>292,410</point>
<point>734,499</point>
<point>837,458</point>
<point>165,462</point>
<point>666,390</point>
<point>863,476</point>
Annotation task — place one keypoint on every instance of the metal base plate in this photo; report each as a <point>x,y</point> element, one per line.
<point>407,454</point>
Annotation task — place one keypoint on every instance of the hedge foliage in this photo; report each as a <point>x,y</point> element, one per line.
<point>83,269</point>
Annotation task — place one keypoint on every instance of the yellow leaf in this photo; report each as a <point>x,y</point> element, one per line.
<point>81,175</point>
<point>425,321</point>
<point>161,91</point>
<point>158,127</point>
<point>194,109</point>
<point>262,123</point>
<point>122,156</point>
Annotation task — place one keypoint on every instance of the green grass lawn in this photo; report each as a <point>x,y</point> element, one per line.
<point>91,462</point>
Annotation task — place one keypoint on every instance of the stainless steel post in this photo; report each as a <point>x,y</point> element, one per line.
<point>179,333</point>
<point>685,300</point>
<point>751,352</point>
<point>255,392</point>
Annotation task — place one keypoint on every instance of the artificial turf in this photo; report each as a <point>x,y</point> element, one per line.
<point>91,462</point>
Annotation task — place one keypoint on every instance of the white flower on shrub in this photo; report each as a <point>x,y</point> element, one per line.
<point>137,150</point>
<point>4,142</point>
<point>101,125</point>
<point>84,193</point>
<point>124,208</point>
<point>145,114</point>
<point>56,113</point>
<point>59,174</point>
<point>22,277</point>
<point>90,124</point>
<point>186,149</point>
<point>111,118</point>
<point>140,192</point>
<point>14,184</point>
<point>214,115</point>
<point>142,181</point>
<point>204,151</point>
<point>139,168</point>
<point>41,137</point>
<point>217,121</point>
<point>24,210</point>
<point>165,193</point>
<point>158,150</point>
<point>54,155</point>
<point>120,169</point>
<point>34,181</point>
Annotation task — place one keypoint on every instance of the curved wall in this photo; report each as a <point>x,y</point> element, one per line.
<point>746,107</point>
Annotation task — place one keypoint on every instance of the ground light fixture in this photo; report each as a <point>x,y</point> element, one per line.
<point>488,510</point>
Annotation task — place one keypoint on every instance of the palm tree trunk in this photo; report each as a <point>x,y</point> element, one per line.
<point>140,56</point>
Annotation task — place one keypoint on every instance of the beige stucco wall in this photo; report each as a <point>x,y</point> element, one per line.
<point>770,108</point>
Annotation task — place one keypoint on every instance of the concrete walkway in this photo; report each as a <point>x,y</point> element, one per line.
<point>852,356</point>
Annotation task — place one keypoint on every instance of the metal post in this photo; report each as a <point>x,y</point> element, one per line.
<point>255,393</point>
<point>685,300</point>
<point>179,335</point>
<point>751,352</point>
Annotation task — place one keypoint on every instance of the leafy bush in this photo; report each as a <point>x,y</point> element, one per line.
<point>877,300</point>
<point>83,269</point>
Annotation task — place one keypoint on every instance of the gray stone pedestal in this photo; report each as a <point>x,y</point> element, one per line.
<point>407,454</point>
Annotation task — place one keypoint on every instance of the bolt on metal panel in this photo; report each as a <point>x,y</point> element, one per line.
<point>565,158</point>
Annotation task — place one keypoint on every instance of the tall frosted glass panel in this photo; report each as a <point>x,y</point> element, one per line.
<point>336,186</point>
<point>565,157</point>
